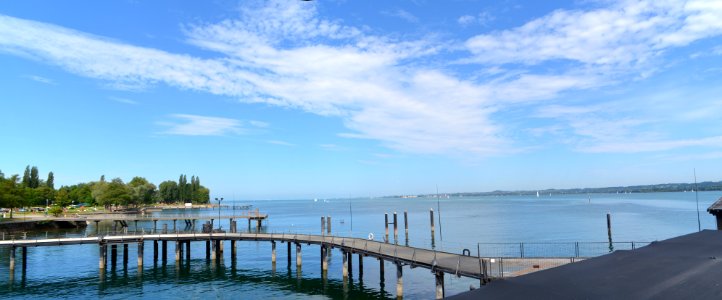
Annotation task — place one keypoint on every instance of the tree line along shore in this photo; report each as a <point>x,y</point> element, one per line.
<point>29,190</point>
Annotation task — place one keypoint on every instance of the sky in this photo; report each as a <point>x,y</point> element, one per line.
<point>338,98</point>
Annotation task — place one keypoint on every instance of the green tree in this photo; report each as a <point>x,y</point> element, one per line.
<point>51,181</point>
<point>26,176</point>
<point>142,191</point>
<point>114,192</point>
<point>34,177</point>
<point>62,197</point>
<point>168,191</point>
<point>10,193</point>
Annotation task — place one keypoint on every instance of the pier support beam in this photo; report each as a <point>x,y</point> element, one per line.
<point>360,266</point>
<point>25,258</point>
<point>289,254</point>
<point>233,249</point>
<point>381,270</point>
<point>324,258</point>
<point>323,225</point>
<point>113,255</point>
<point>273,252</point>
<point>439,285</point>
<point>406,227</point>
<point>345,264</point>
<point>141,244</point>
<point>188,251</point>
<point>155,251</point>
<point>178,250</point>
<point>298,255</point>
<point>399,280</point>
<point>386,227</point>
<point>12,259</point>
<point>101,262</point>
<point>208,249</point>
<point>125,254</point>
<point>328,225</point>
<point>350,263</point>
<point>164,255</point>
<point>396,229</point>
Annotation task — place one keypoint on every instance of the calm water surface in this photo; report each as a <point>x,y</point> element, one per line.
<point>72,271</point>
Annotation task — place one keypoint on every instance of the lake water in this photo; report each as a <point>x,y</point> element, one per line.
<point>72,271</point>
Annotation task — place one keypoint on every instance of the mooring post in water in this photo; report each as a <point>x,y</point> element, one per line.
<point>328,225</point>
<point>164,255</point>
<point>155,223</point>
<point>140,254</point>
<point>406,227</point>
<point>386,227</point>
<point>188,250</point>
<point>350,263</point>
<point>177,250</point>
<point>155,251</point>
<point>360,266</point>
<point>399,280</point>
<point>12,259</point>
<point>273,252</point>
<point>323,225</point>
<point>298,255</point>
<point>609,232</point>
<point>345,264</point>
<point>125,254</point>
<point>97,228</point>
<point>288,246</point>
<point>208,249</point>
<point>113,254</point>
<point>396,229</point>
<point>233,249</point>
<point>324,258</point>
<point>381,270</point>
<point>439,285</point>
<point>431,215</point>
<point>101,255</point>
<point>25,259</point>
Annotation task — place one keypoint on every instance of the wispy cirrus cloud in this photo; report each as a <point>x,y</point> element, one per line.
<point>195,125</point>
<point>40,79</point>
<point>123,100</point>
<point>281,143</point>
<point>384,89</point>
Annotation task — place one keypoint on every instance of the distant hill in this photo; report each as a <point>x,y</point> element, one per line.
<point>654,188</point>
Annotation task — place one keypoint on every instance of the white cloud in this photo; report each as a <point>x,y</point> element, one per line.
<point>195,125</point>
<point>40,79</point>
<point>481,19</point>
<point>626,34</point>
<point>402,14</point>
<point>123,100</point>
<point>282,53</point>
<point>281,143</point>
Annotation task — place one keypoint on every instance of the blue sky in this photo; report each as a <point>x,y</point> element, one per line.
<point>295,99</point>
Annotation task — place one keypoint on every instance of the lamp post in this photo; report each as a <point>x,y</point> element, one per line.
<point>46,207</point>
<point>219,211</point>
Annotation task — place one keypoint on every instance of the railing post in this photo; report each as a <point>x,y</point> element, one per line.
<point>521,249</point>
<point>576,249</point>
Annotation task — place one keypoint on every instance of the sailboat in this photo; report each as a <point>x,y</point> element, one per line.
<point>537,194</point>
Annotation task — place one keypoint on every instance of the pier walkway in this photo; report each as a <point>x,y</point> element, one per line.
<point>439,262</point>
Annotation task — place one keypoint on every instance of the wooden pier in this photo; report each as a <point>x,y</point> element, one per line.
<point>438,262</point>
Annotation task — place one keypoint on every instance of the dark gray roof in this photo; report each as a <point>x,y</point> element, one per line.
<point>716,207</point>
<point>685,267</point>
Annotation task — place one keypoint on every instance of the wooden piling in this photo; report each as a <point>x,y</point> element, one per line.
<point>25,258</point>
<point>178,250</point>
<point>386,227</point>
<point>406,227</point>
<point>164,254</point>
<point>399,281</point>
<point>208,249</point>
<point>233,249</point>
<point>125,254</point>
<point>609,232</point>
<point>12,259</point>
<point>439,285</point>
<point>273,252</point>
<point>360,266</point>
<point>324,258</point>
<point>140,254</point>
<point>323,225</point>
<point>345,264</point>
<point>188,250</point>
<point>350,263</point>
<point>431,218</point>
<point>328,225</point>
<point>381,270</point>
<point>298,255</point>
<point>113,255</point>
<point>174,228</point>
<point>288,245</point>
<point>155,251</point>
<point>155,223</point>
<point>396,229</point>
<point>101,256</point>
